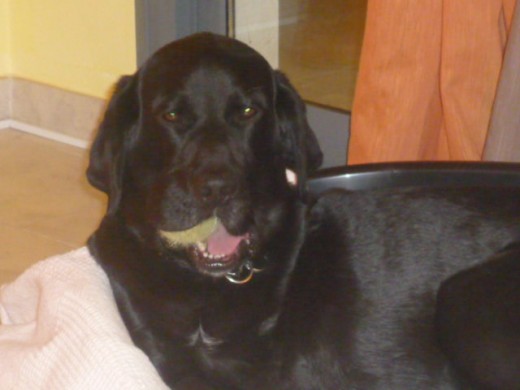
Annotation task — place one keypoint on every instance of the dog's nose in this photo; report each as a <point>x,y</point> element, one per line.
<point>214,190</point>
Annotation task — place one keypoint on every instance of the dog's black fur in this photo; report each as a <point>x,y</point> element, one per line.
<point>344,295</point>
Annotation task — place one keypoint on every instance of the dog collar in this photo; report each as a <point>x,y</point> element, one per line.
<point>243,274</point>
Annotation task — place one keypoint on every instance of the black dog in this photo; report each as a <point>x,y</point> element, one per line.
<point>258,289</point>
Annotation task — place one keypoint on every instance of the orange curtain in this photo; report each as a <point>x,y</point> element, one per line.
<point>427,80</point>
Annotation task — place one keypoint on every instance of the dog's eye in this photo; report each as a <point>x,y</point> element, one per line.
<point>248,112</point>
<point>171,116</point>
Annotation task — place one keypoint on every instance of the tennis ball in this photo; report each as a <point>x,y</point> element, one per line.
<point>197,233</point>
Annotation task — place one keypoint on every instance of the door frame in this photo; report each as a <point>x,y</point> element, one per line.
<point>161,21</point>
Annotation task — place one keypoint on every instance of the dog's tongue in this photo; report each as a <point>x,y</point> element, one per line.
<point>221,242</point>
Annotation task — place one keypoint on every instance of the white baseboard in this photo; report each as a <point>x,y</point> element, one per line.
<point>40,132</point>
<point>49,112</point>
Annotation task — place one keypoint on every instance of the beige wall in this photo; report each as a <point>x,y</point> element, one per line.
<point>4,39</point>
<point>76,45</point>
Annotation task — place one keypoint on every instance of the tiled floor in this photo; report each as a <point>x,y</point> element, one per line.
<point>46,205</point>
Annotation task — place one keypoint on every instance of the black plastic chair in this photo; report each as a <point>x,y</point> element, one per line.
<point>387,175</point>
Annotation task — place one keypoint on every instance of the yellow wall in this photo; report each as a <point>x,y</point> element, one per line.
<point>4,39</point>
<point>82,46</point>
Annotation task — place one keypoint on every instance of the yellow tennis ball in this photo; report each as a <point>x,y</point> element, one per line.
<point>197,233</point>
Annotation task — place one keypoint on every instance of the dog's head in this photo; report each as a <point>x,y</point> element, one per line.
<point>194,148</point>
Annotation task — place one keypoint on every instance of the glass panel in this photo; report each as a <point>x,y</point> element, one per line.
<point>317,43</point>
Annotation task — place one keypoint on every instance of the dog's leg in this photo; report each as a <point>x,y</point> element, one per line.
<point>478,321</point>
<point>117,252</point>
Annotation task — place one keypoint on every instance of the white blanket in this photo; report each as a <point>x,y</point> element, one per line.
<point>60,329</point>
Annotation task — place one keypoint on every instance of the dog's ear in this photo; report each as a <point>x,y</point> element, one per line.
<point>105,168</point>
<point>300,148</point>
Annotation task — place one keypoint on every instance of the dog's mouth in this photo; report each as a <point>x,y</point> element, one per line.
<point>213,250</point>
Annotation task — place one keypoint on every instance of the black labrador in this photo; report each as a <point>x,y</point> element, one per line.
<point>229,277</point>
